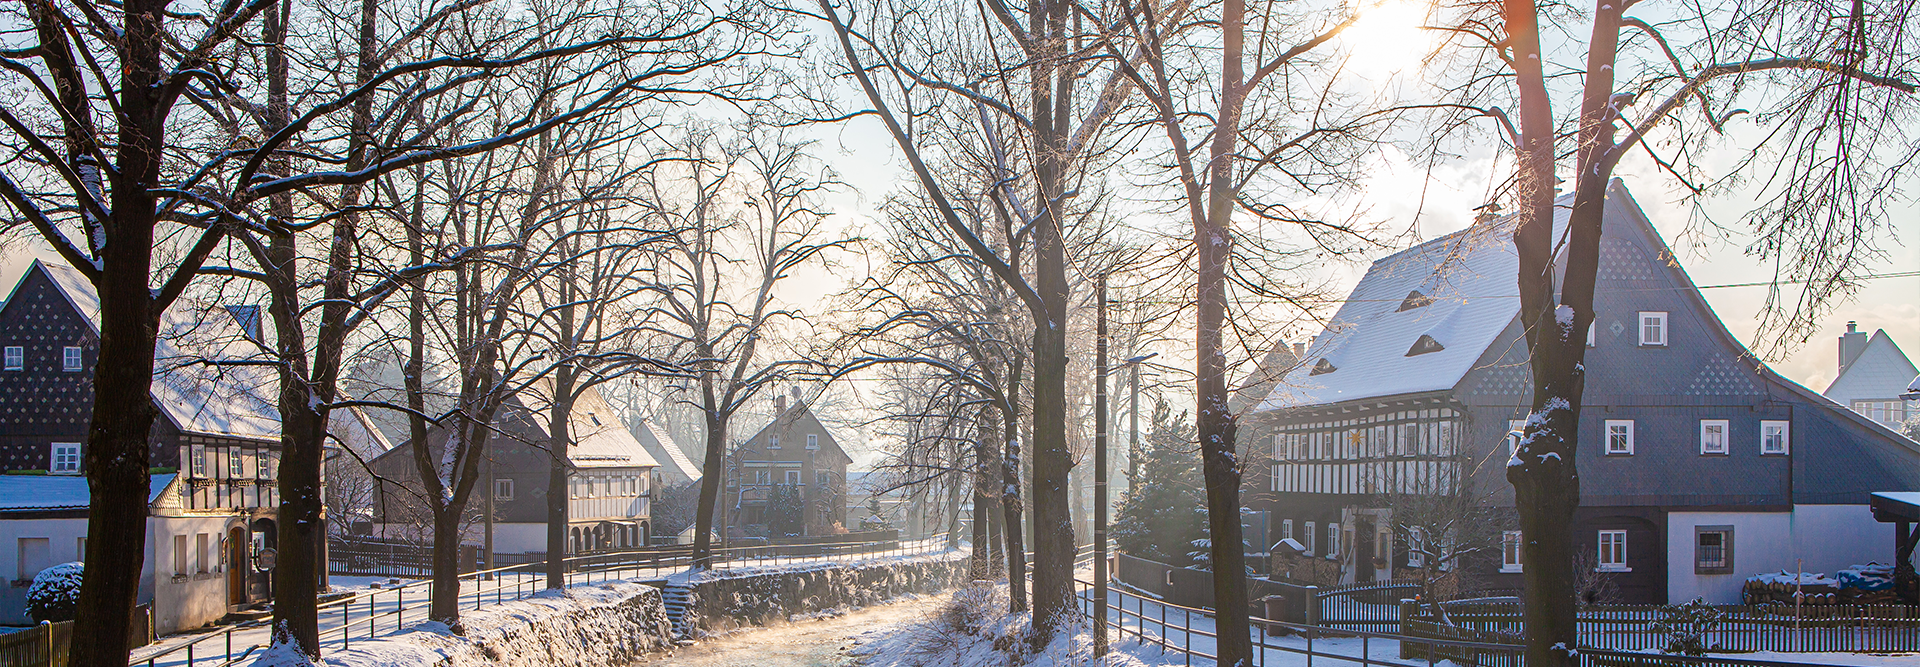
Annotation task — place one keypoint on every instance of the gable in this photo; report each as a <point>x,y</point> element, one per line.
<point>794,425</point>
<point>1881,372</point>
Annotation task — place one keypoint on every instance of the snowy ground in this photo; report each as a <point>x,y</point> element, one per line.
<point>819,641</point>
<point>212,646</point>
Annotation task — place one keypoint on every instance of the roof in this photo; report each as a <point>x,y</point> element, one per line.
<point>357,431</point>
<point>600,437</point>
<point>197,397</point>
<point>1418,320</point>
<point>60,492</point>
<point>672,459</point>
<point>798,416</point>
<point>1881,371</point>
<point>1895,506</point>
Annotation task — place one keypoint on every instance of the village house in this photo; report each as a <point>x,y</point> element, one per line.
<point>215,449</point>
<point>1874,373</point>
<point>610,483</point>
<point>1700,466</point>
<point>794,453</point>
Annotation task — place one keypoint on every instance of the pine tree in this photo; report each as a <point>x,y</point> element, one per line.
<point>783,511</point>
<point>1166,509</point>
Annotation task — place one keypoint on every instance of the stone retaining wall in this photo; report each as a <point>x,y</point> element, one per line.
<point>722,600</point>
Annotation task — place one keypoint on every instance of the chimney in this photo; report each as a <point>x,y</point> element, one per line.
<point>796,395</point>
<point>779,404</point>
<point>1487,212</point>
<point>1852,343</point>
<point>1299,350</point>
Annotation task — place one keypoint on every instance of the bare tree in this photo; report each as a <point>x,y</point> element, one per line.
<point>714,307</point>
<point>1830,85</point>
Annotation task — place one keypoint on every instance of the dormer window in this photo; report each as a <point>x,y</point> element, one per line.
<point>16,357</point>
<point>1424,345</point>
<point>1414,300</point>
<point>1322,367</point>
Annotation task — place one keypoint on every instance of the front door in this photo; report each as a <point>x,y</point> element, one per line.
<point>238,564</point>
<point>1363,546</point>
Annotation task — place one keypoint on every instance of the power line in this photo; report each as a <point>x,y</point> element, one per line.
<point>1876,276</point>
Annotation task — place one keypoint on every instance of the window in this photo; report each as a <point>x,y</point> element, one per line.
<point>180,555</point>
<point>200,547</point>
<point>199,459</point>
<point>813,441</point>
<point>261,469</point>
<point>70,359</point>
<point>16,357</point>
<point>822,478</point>
<point>591,486</point>
<point>66,459</point>
<point>1416,547</point>
<point>503,489</point>
<point>1613,551</point>
<point>1510,551</point>
<point>36,554</point>
<point>1286,529</point>
<point>1280,446</point>
<point>1713,550</point>
<point>763,476</point>
<point>1309,538</point>
<point>1333,540</point>
<point>1653,328</point>
<point>773,442</point>
<point>1773,437</point>
<point>80,548</point>
<point>1516,429</point>
<point>573,488</point>
<point>236,464</point>
<point>1590,332</point>
<point>793,477</point>
<point>1619,437</point>
<point>1713,436</point>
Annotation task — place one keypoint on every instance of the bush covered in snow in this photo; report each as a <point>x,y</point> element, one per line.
<point>55,592</point>
<point>1686,626</point>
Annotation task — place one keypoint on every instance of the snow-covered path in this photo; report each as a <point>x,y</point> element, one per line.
<point>815,643</point>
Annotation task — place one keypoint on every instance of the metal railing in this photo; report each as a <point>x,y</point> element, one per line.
<point>1771,627</point>
<point>368,614</point>
<point>1189,631</point>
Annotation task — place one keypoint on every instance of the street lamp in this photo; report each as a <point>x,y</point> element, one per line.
<point>1100,462</point>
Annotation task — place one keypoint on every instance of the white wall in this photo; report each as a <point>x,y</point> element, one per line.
<point>63,544</point>
<point>1814,538</point>
<point>519,538</point>
<point>193,599</point>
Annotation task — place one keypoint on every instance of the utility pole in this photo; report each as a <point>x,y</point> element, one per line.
<point>1133,432</point>
<point>1100,475</point>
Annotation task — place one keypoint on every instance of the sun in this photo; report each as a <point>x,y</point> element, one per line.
<point>1387,38</point>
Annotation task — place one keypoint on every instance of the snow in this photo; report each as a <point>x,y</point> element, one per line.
<point>1801,579</point>
<point>1469,275</point>
<point>588,625</point>
<point>50,492</point>
<point>1850,659</point>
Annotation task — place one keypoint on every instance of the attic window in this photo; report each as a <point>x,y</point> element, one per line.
<point>595,419</point>
<point>1322,367</point>
<point>1424,345</point>
<point>1414,300</point>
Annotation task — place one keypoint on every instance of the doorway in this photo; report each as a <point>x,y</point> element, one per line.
<point>238,565</point>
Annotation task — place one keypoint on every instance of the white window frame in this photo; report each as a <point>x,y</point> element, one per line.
<point>503,489</point>
<point>197,460</point>
<point>15,358</point>
<point>1710,445</point>
<point>1591,330</point>
<point>54,462</point>
<point>1310,526</point>
<point>1786,437</point>
<point>813,441</point>
<point>72,359</point>
<point>1612,551</point>
<point>1514,426</point>
<point>1661,332</point>
<point>792,477</point>
<point>1416,545</point>
<point>236,463</point>
<point>1286,529</point>
<point>1333,539</point>
<point>1607,437</point>
<point>773,441</point>
<point>1510,552</point>
<point>262,464</point>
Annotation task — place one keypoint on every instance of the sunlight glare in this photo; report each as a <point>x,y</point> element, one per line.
<point>1387,38</point>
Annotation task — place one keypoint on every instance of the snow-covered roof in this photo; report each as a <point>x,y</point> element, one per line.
<point>600,437</point>
<point>356,430</point>
<point>672,459</point>
<point>1881,372</point>
<point>1418,320</point>
<point>198,397</point>
<point>59,492</point>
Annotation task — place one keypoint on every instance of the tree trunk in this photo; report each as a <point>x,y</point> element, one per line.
<point>980,567</point>
<point>713,475</point>
<point>1010,501</point>
<point>445,606</point>
<point>117,457</point>
<point>1214,422</point>
<point>560,439</point>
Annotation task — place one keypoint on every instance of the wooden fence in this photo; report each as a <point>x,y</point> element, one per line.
<point>47,644</point>
<point>1843,628</point>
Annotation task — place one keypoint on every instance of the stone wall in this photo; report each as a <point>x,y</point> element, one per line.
<point>722,600</point>
<point>590,625</point>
